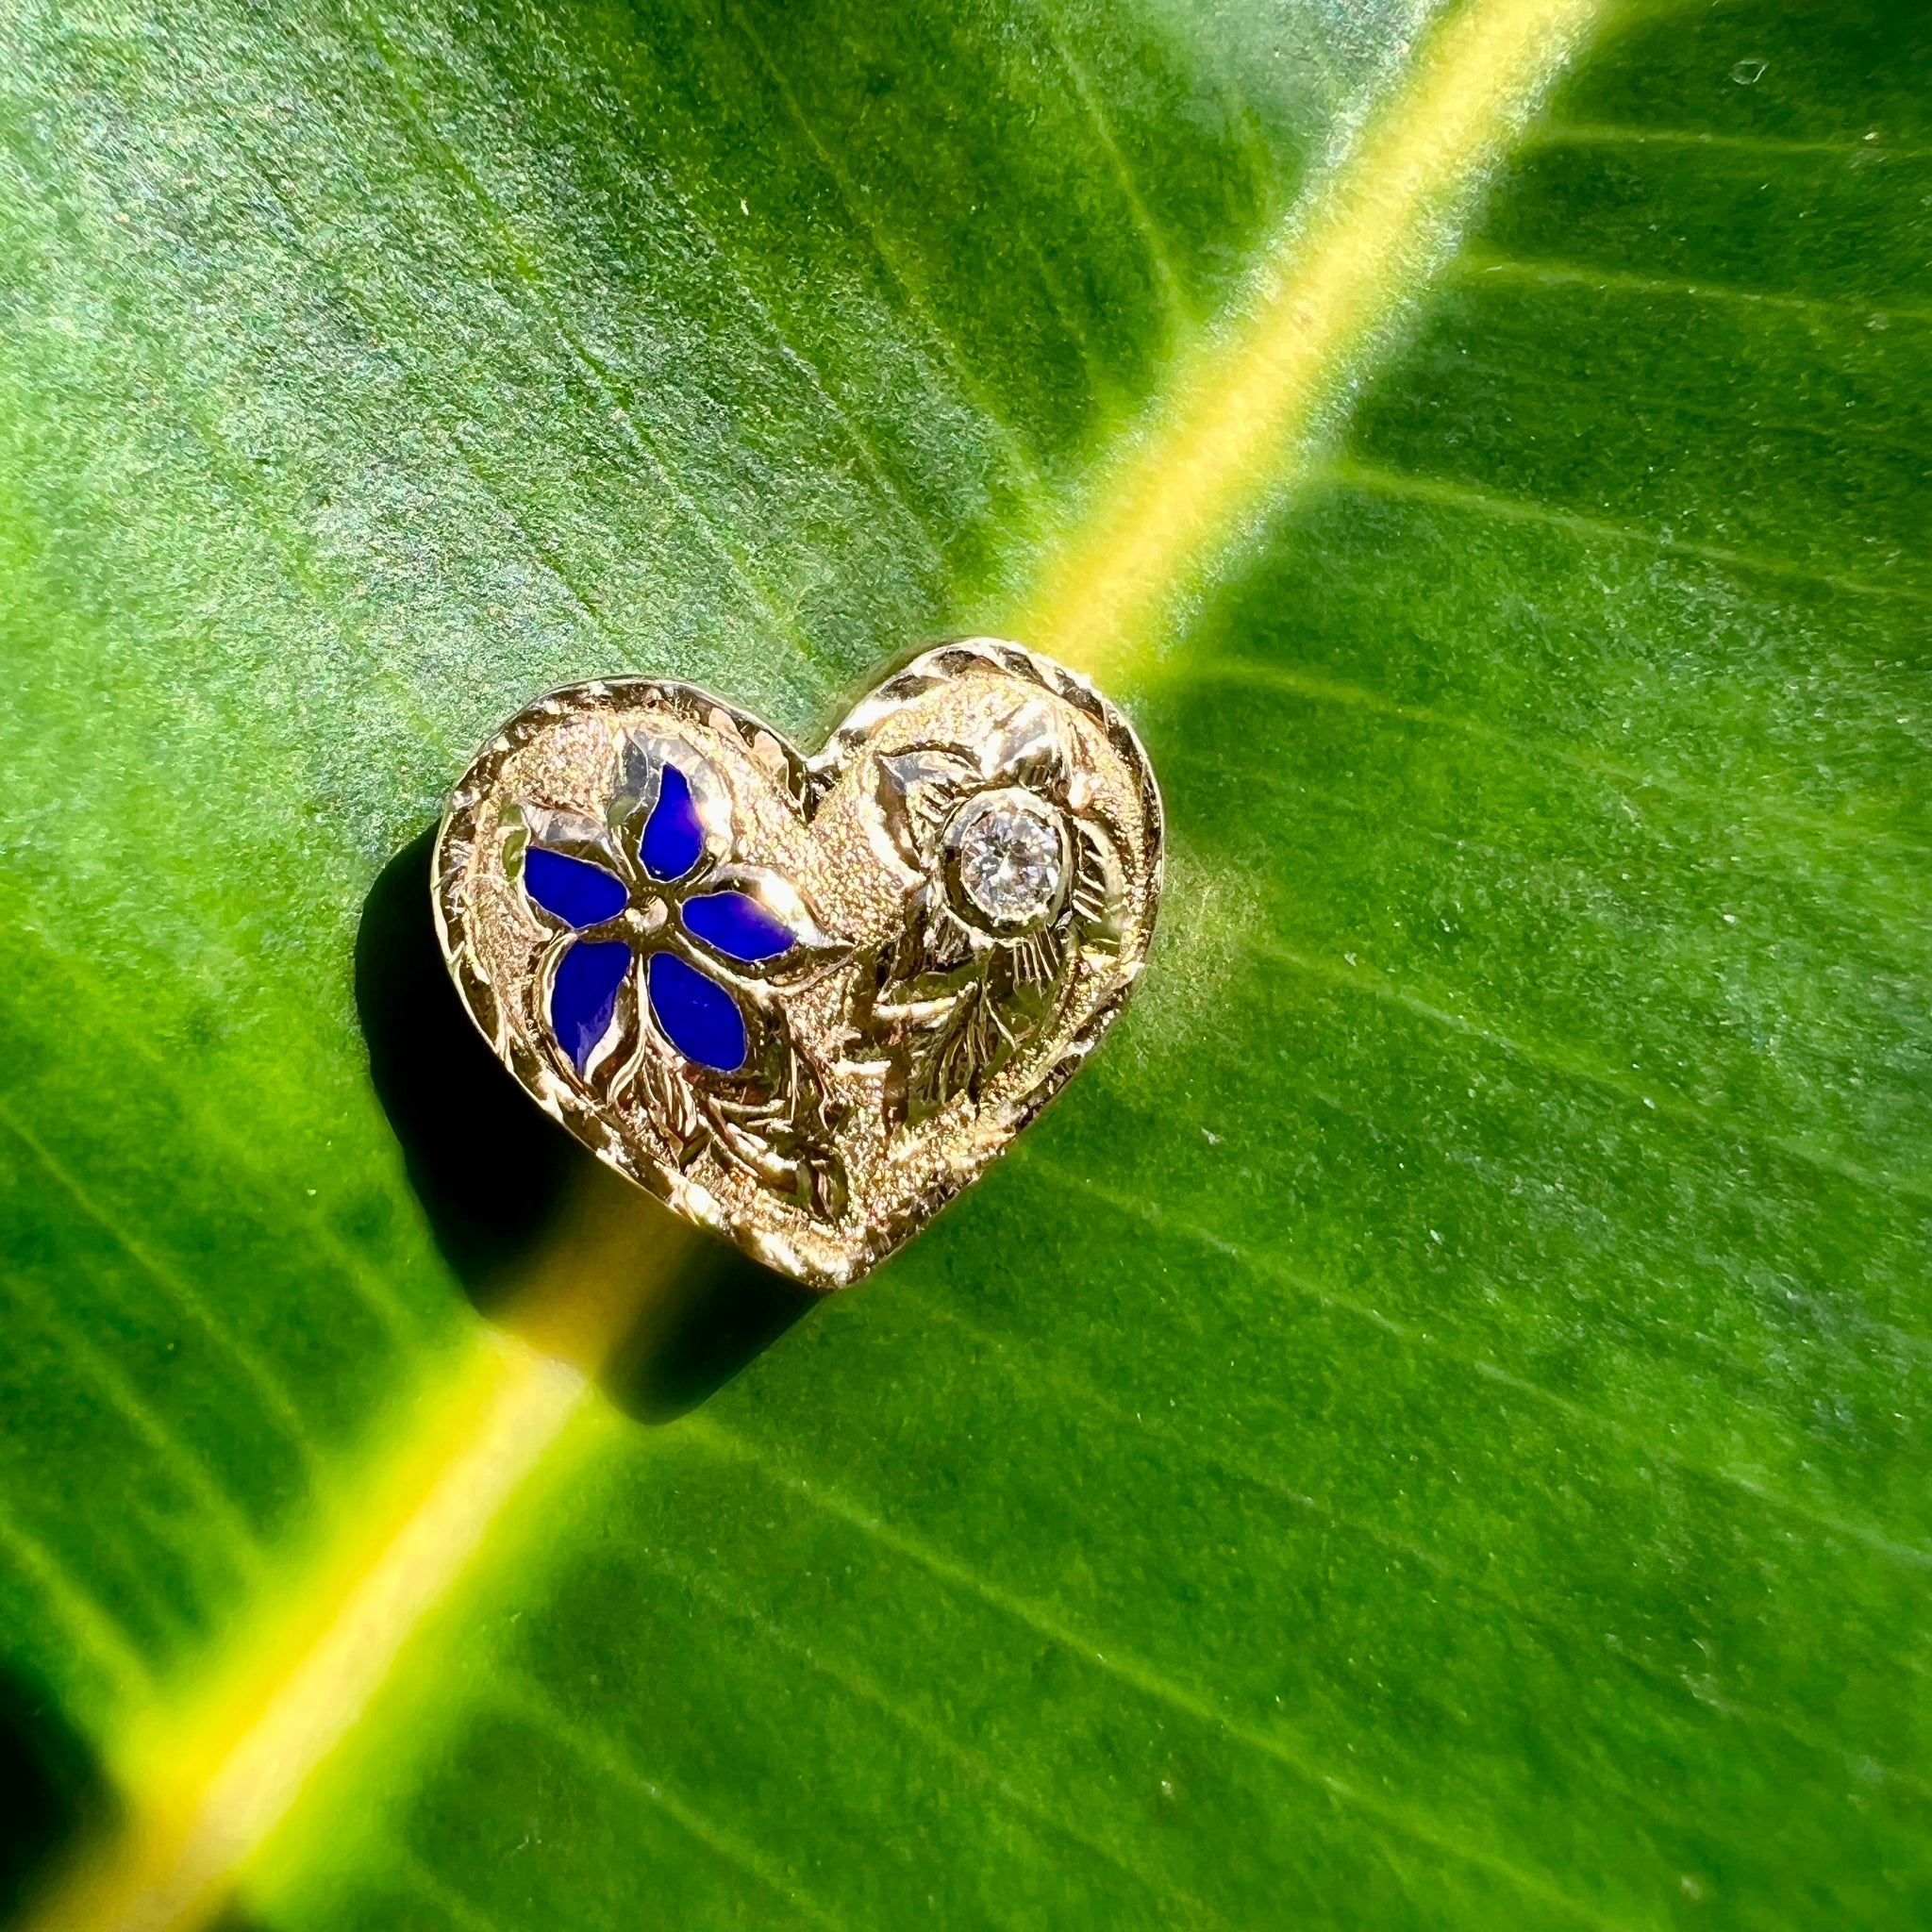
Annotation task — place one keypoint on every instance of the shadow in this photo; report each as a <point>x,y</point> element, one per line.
<point>234,1919</point>
<point>514,1199</point>
<point>57,1810</point>
<point>51,1787</point>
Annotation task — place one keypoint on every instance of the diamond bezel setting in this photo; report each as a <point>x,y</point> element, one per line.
<point>1008,854</point>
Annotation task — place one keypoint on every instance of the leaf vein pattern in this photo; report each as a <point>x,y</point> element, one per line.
<point>608,390</point>
<point>1165,280</point>
<point>1907,1556</point>
<point>1574,1067</point>
<point>1549,271</point>
<point>268,1387</point>
<point>1240,428</point>
<point>1772,147</point>
<point>437,1891</point>
<point>1060,1378</point>
<point>242,1551</point>
<point>428,417</point>
<point>1181,1696</point>
<point>1098,377</point>
<point>244,484</point>
<point>809,373</point>
<point>95,1632</point>
<point>1382,482</point>
<point>858,1686</point>
<point>1144,1677</point>
<point>1821,825</point>
<point>1025,464</point>
<point>1064,1380</point>
<point>528,1701</point>
<point>166,1077</point>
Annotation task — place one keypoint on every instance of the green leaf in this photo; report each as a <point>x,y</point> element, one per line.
<point>1431,1429</point>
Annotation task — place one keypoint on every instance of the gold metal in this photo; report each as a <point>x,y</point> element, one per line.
<point>962,885</point>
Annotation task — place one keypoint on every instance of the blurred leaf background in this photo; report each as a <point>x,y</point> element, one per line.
<point>1431,1429</point>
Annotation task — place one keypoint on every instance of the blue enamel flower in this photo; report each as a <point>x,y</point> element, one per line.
<point>657,919</point>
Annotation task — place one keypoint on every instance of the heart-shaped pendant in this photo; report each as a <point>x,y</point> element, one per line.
<point>805,1002</point>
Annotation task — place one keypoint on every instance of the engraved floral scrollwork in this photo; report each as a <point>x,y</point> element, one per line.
<point>667,973</point>
<point>1009,875</point>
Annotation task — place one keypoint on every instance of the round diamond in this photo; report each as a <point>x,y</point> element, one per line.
<point>1010,858</point>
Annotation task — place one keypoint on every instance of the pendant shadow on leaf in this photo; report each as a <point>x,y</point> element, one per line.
<point>50,1787</point>
<point>546,1240</point>
<point>55,1802</point>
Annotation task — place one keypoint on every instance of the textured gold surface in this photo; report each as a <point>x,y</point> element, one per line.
<point>902,1044</point>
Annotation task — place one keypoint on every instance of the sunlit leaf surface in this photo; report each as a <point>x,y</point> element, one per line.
<point>1432,1430</point>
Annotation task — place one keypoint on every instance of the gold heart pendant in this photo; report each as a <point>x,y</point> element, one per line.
<point>804,1002</point>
